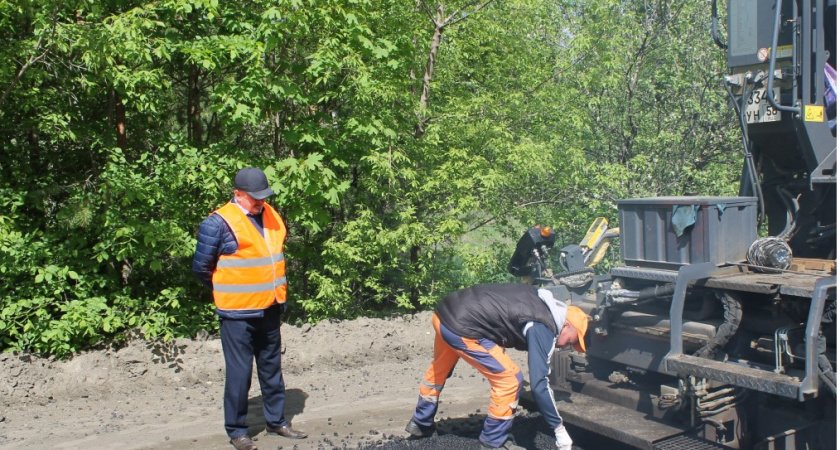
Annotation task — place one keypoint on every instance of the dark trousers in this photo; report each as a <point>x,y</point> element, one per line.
<point>242,341</point>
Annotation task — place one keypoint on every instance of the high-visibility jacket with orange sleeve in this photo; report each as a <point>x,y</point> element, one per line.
<point>253,277</point>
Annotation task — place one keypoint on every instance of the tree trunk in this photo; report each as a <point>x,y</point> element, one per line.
<point>414,296</point>
<point>194,128</point>
<point>420,128</point>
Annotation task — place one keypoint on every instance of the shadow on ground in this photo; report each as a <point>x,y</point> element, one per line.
<point>295,403</point>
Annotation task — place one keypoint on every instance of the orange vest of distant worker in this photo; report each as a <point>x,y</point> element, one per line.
<point>254,277</point>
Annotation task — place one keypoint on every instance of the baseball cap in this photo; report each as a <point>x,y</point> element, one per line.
<point>252,181</point>
<point>580,321</point>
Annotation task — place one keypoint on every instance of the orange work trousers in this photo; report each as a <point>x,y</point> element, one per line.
<point>488,358</point>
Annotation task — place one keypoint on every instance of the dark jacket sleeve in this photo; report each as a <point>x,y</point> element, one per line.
<point>540,347</point>
<point>214,239</point>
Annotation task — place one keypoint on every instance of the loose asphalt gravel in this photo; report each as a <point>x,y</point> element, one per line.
<point>530,432</point>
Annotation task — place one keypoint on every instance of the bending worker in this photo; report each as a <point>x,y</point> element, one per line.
<point>476,324</point>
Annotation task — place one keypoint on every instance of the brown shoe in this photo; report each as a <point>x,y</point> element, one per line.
<point>285,431</point>
<point>243,442</point>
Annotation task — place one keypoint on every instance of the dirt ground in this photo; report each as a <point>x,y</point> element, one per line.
<point>350,384</point>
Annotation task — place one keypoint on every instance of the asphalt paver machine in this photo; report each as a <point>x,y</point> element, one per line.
<point>708,335</point>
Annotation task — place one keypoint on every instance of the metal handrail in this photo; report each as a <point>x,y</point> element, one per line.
<point>772,75</point>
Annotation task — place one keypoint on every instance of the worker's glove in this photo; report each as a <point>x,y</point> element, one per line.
<point>562,440</point>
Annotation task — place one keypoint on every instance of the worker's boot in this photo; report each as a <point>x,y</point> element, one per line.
<point>507,445</point>
<point>419,431</point>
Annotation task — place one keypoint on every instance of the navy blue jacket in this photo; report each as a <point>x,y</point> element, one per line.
<point>214,240</point>
<point>541,342</point>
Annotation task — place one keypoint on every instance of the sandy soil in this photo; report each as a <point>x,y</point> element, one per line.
<point>350,384</point>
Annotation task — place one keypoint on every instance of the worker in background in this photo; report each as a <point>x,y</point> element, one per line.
<point>240,256</point>
<point>477,324</point>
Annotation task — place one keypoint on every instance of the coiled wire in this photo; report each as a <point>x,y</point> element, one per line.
<point>770,254</point>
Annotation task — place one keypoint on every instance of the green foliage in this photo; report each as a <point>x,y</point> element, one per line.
<point>124,122</point>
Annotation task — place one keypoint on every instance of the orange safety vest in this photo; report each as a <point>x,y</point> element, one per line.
<point>254,277</point>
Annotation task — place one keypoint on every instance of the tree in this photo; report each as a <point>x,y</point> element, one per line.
<point>123,124</point>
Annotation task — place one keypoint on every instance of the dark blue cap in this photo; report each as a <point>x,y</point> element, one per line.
<point>252,181</point>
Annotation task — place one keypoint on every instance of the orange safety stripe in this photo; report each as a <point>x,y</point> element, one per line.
<point>254,277</point>
<point>504,385</point>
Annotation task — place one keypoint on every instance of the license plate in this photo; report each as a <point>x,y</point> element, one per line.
<point>758,108</point>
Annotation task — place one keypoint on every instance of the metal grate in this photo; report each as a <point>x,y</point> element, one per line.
<point>684,442</point>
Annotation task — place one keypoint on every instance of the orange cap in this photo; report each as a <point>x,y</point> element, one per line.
<point>578,319</point>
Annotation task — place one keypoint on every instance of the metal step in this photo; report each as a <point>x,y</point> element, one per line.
<point>735,374</point>
<point>613,421</point>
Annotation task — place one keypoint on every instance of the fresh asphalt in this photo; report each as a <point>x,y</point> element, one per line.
<point>530,432</point>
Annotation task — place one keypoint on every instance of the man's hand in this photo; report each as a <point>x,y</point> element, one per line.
<point>562,440</point>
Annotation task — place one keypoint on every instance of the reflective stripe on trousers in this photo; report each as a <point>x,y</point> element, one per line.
<point>488,358</point>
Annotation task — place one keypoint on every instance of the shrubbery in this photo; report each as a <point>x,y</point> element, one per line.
<point>408,150</point>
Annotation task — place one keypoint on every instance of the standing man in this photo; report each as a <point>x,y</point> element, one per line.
<point>476,324</point>
<point>240,256</point>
